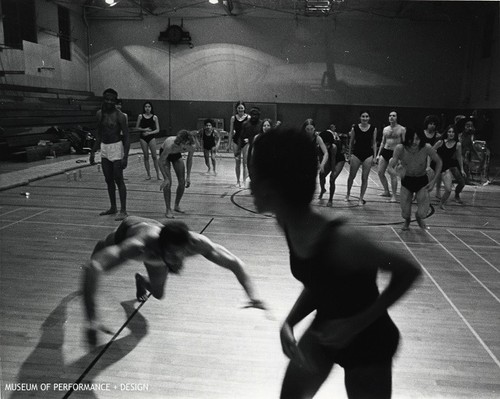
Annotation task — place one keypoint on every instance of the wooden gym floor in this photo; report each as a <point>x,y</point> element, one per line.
<point>199,341</point>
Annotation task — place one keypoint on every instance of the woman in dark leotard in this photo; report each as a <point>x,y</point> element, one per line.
<point>450,151</point>
<point>335,164</point>
<point>210,141</point>
<point>235,126</point>
<point>309,127</point>
<point>432,136</point>
<point>362,151</point>
<point>149,126</point>
<point>352,327</point>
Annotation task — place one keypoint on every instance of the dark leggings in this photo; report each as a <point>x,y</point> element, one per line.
<point>113,174</point>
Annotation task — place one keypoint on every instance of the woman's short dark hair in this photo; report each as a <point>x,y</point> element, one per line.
<point>287,158</point>
<point>208,120</point>
<point>431,119</point>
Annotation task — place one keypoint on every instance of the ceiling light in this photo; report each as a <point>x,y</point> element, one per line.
<point>213,1</point>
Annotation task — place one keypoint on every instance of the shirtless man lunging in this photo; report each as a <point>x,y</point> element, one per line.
<point>392,135</point>
<point>112,138</point>
<point>171,153</point>
<point>162,247</point>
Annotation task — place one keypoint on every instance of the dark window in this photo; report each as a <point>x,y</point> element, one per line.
<point>19,22</point>
<point>64,33</point>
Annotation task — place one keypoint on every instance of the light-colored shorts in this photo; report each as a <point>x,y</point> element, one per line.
<point>112,152</point>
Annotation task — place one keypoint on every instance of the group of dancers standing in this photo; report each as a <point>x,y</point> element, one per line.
<point>448,157</point>
<point>424,159</point>
<point>441,158</point>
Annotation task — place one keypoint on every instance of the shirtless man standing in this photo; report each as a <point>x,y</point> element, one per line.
<point>171,153</point>
<point>392,135</point>
<point>113,140</point>
<point>415,179</point>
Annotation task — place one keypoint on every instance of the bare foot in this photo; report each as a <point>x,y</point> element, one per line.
<point>141,293</point>
<point>110,211</point>
<point>148,178</point>
<point>169,215</point>
<point>178,209</point>
<point>422,224</point>
<point>393,199</point>
<point>329,203</point>
<point>121,216</point>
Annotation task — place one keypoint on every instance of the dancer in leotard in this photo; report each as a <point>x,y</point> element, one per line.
<point>309,127</point>
<point>432,136</point>
<point>235,126</point>
<point>250,128</point>
<point>351,326</point>
<point>149,126</point>
<point>450,151</point>
<point>362,151</point>
<point>335,164</point>
<point>210,141</point>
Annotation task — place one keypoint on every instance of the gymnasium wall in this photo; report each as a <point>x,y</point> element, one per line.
<point>325,68</point>
<point>355,59</point>
<point>21,67</point>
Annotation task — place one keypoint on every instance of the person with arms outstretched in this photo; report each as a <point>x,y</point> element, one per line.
<point>162,247</point>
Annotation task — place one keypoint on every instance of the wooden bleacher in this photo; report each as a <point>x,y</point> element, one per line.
<point>27,113</point>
